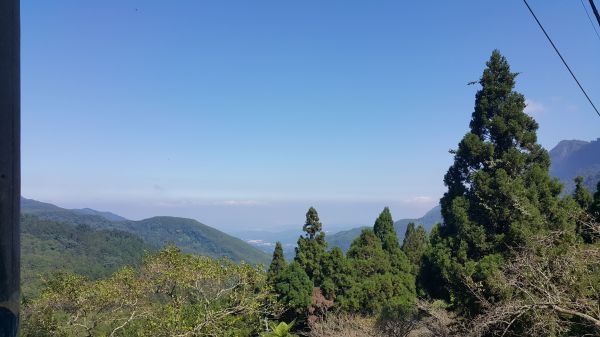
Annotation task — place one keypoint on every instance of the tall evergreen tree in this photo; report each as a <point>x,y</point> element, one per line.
<point>415,244</point>
<point>499,190</point>
<point>382,282</point>
<point>312,226</point>
<point>384,229</point>
<point>278,262</point>
<point>336,275</point>
<point>311,247</point>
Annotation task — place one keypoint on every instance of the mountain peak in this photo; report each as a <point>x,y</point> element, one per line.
<point>572,158</point>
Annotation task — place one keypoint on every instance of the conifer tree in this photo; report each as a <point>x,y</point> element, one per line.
<point>582,195</point>
<point>312,226</point>
<point>311,247</point>
<point>415,244</point>
<point>368,256</point>
<point>336,275</point>
<point>294,288</point>
<point>278,262</point>
<point>384,229</point>
<point>382,283</point>
<point>499,191</point>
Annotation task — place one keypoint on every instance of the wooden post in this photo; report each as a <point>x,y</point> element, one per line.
<point>10,166</point>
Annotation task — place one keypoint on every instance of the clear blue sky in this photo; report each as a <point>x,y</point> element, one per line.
<point>242,114</point>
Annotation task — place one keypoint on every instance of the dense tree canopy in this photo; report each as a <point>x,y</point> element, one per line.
<point>173,294</point>
<point>382,282</point>
<point>294,288</point>
<point>499,190</point>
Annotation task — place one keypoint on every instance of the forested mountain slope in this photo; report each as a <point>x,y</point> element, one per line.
<point>48,246</point>
<point>188,234</point>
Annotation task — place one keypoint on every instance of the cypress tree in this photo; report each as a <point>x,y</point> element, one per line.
<point>499,191</point>
<point>311,247</point>
<point>278,262</point>
<point>415,244</point>
<point>384,229</point>
<point>312,226</point>
<point>368,256</point>
<point>336,273</point>
<point>382,283</point>
<point>294,288</point>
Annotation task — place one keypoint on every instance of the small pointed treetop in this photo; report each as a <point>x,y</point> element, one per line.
<point>312,226</point>
<point>278,262</point>
<point>384,229</point>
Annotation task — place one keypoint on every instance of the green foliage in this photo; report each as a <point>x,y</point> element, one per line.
<point>188,234</point>
<point>595,207</point>
<point>367,255</point>
<point>49,246</point>
<point>582,195</point>
<point>384,229</point>
<point>416,243</point>
<point>311,247</point>
<point>337,275</point>
<point>278,262</point>
<point>280,330</point>
<point>343,239</point>
<point>312,226</point>
<point>172,294</point>
<point>294,288</point>
<point>381,278</point>
<point>499,191</point>
<point>194,237</point>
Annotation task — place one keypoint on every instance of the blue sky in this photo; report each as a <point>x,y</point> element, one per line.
<point>242,114</point>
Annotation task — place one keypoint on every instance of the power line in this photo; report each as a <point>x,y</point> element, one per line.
<point>561,57</point>
<point>595,11</point>
<point>590,18</point>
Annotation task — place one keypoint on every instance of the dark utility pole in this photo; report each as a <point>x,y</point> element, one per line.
<point>10,166</point>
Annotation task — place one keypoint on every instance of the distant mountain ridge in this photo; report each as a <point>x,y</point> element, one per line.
<point>106,215</point>
<point>571,158</point>
<point>343,239</point>
<point>189,235</point>
<point>37,207</point>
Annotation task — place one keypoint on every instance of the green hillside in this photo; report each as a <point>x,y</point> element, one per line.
<point>48,246</point>
<point>188,234</point>
<point>194,237</point>
<point>343,239</point>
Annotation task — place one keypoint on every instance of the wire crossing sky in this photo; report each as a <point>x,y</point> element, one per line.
<point>242,114</point>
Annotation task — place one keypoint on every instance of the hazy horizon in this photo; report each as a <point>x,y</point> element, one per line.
<point>242,115</point>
